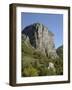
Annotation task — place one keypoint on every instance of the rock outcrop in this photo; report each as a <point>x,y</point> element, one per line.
<point>40,38</point>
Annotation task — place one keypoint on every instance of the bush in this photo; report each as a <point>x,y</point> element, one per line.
<point>59,66</point>
<point>30,71</point>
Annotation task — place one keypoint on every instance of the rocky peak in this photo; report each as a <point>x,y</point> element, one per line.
<point>41,38</point>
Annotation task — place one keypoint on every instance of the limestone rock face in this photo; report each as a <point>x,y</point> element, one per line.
<point>41,39</point>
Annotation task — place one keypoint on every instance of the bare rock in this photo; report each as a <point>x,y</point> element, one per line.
<point>41,39</point>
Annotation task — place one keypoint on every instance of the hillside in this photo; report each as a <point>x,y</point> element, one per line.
<point>60,51</point>
<point>35,61</point>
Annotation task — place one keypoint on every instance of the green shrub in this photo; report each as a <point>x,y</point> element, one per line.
<point>29,71</point>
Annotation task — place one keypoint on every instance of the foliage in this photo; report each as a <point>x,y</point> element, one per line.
<point>29,71</point>
<point>34,63</point>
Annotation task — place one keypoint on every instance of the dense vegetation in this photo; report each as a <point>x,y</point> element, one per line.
<point>36,64</point>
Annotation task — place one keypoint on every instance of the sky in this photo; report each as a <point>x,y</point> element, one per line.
<point>54,22</point>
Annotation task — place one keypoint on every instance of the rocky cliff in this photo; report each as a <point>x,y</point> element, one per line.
<point>40,38</point>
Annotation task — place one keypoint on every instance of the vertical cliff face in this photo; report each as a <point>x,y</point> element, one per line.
<point>41,39</point>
